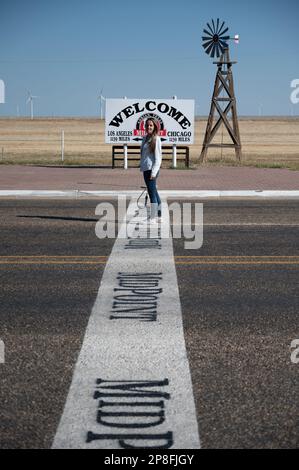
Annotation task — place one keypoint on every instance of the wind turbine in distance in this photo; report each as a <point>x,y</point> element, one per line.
<point>260,109</point>
<point>101,98</point>
<point>30,100</point>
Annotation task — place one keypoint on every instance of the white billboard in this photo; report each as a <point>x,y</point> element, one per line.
<point>125,120</point>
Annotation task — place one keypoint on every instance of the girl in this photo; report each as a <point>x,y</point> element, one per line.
<point>150,162</point>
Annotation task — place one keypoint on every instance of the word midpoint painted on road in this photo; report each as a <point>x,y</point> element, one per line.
<point>128,409</point>
<point>117,401</point>
<point>136,296</point>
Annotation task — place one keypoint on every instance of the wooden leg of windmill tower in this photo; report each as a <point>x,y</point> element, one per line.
<point>207,138</point>
<point>203,154</point>
<point>237,134</point>
<point>235,119</point>
<point>238,153</point>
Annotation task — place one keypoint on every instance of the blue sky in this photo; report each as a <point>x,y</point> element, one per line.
<point>66,51</point>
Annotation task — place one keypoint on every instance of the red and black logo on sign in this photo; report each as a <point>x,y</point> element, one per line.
<point>140,125</point>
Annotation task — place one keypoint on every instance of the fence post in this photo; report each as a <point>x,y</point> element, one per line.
<point>62,146</point>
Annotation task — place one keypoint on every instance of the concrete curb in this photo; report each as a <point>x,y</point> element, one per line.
<point>75,194</point>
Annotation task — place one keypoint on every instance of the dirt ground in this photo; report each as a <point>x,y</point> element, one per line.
<point>269,142</point>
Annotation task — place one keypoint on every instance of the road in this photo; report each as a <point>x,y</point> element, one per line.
<point>239,300</point>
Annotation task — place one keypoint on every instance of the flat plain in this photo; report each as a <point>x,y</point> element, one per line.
<point>266,142</point>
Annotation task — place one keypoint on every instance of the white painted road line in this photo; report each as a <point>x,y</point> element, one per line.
<point>76,193</point>
<point>131,386</point>
<point>249,224</point>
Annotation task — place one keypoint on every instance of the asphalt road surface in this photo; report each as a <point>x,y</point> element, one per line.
<point>239,299</point>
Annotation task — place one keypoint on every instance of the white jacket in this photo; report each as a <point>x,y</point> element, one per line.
<point>149,160</point>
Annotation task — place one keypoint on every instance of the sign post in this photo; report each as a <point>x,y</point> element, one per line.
<point>125,151</point>
<point>174,156</point>
<point>174,149</point>
<point>125,156</point>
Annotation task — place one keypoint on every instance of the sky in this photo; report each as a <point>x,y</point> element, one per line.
<point>66,51</point>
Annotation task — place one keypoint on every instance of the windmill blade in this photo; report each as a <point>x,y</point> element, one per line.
<point>206,44</point>
<point>223,32</point>
<point>207,32</point>
<point>207,38</point>
<point>209,29</point>
<point>214,29</point>
<point>220,30</point>
<point>221,48</point>
<point>208,50</point>
<point>217,26</point>
<point>213,50</point>
<point>224,38</point>
<point>217,49</point>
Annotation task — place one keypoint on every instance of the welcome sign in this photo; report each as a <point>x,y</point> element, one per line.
<point>125,120</point>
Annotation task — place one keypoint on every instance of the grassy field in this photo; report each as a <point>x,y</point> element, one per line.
<point>266,142</point>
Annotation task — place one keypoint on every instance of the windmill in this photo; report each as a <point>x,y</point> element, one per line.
<point>215,43</point>
<point>30,100</point>
<point>101,98</point>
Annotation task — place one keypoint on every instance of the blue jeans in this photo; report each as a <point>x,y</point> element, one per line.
<point>153,193</point>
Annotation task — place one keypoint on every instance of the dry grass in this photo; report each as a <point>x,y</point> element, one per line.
<point>265,142</point>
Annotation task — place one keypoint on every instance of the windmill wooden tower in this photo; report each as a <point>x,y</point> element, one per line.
<point>215,43</point>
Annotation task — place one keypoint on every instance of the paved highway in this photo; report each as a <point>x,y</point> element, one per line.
<point>239,299</point>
